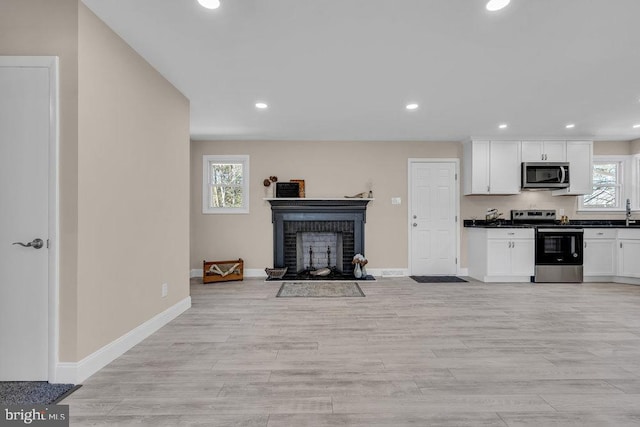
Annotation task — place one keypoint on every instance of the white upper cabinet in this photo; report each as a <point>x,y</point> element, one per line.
<point>491,167</point>
<point>580,158</point>
<point>544,151</point>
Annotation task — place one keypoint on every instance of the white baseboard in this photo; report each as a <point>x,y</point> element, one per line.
<point>388,272</point>
<point>76,373</point>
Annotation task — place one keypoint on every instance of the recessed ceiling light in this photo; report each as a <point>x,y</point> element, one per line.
<point>261,105</point>
<point>636,126</point>
<point>570,126</point>
<point>494,5</point>
<point>503,126</point>
<point>412,106</point>
<point>210,4</point>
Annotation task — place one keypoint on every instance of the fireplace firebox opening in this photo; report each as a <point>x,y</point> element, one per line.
<point>316,250</point>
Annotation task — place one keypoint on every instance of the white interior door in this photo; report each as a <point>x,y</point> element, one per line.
<point>24,216</point>
<point>433,218</point>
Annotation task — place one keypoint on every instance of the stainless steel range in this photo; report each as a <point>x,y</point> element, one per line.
<point>558,248</point>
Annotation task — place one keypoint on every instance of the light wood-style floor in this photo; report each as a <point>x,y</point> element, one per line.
<point>408,354</point>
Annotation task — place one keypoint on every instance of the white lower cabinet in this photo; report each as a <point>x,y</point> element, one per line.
<point>508,254</point>
<point>600,260</point>
<point>629,253</point>
<point>501,255</point>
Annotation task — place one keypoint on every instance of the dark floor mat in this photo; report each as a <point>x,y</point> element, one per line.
<point>437,279</point>
<point>33,392</point>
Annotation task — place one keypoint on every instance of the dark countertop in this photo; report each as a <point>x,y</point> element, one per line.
<point>578,223</point>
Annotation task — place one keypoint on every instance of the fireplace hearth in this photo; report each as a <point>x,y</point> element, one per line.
<point>311,234</point>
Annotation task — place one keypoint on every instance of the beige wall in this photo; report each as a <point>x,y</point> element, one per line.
<point>133,188</point>
<point>335,169</point>
<point>45,27</point>
<point>330,169</point>
<point>124,188</point>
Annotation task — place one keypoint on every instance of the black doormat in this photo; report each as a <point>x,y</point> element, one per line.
<point>437,279</point>
<point>34,392</point>
<point>311,289</point>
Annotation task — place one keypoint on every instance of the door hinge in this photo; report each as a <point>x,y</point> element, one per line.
<point>47,243</point>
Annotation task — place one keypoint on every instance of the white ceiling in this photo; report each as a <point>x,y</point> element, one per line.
<point>345,69</point>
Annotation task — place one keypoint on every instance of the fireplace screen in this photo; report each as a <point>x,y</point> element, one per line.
<point>318,250</point>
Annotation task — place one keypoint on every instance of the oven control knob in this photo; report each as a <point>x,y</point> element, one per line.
<point>575,255</point>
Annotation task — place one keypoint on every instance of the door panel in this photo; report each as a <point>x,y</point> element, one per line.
<point>24,174</point>
<point>433,218</point>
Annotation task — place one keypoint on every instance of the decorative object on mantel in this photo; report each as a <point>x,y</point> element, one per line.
<point>362,195</point>
<point>222,271</point>
<point>267,182</point>
<point>288,190</point>
<point>276,273</point>
<point>301,191</point>
<point>359,270</point>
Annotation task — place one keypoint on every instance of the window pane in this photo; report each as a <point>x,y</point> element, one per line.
<point>226,174</point>
<point>226,197</point>
<point>605,173</point>
<point>602,197</point>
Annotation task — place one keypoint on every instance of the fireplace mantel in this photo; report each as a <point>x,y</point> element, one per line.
<point>291,210</point>
<point>308,201</point>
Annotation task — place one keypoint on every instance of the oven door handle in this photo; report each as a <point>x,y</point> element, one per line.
<point>560,230</point>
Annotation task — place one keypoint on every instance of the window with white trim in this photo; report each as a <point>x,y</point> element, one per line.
<point>225,184</point>
<point>609,191</point>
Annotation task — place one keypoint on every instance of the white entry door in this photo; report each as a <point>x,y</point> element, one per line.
<point>25,109</point>
<point>433,218</point>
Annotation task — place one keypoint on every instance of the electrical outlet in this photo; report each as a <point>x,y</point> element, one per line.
<point>396,200</point>
<point>165,289</point>
<point>561,212</point>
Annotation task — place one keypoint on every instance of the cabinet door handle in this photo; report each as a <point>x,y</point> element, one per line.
<point>620,245</point>
<point>600,234</point>
<point>585,244</point>
<point>511,234</point>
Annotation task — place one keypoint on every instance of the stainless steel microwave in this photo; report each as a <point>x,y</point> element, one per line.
<point>541,175</point>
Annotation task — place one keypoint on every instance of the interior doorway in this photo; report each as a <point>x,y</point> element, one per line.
<point>28,219</point>
<point>434,237</point>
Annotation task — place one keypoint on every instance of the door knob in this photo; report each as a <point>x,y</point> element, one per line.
<point>35,244</point>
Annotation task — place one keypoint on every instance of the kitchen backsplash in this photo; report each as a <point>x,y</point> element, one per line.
<point>476,206</point>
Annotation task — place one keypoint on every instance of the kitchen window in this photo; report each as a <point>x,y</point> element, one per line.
<point>609,190</point>
<point>225,184</point>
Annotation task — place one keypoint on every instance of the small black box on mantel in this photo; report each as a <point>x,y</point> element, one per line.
<point>287,189</point>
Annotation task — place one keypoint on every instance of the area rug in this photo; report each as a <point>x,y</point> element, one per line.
<point>33,392</point>
<point>320,289</point>
<point>437,279</point>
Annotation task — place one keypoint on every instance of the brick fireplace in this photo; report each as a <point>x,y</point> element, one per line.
<point>314,233</point>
